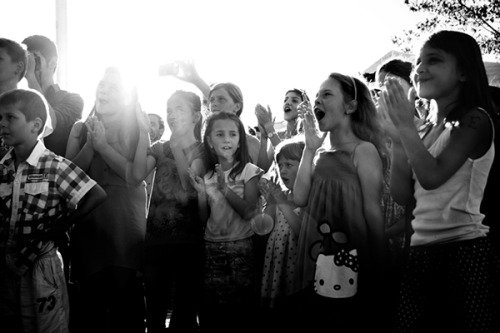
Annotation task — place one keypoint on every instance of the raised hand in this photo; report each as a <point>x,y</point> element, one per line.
<point>187,71</point>
<point>264,116</point>
<point>33,71</point>
<point>395,101</point>
<point>314,138</point>
<point>386,122</point>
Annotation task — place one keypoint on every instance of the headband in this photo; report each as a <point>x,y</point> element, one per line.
<point>355,89</point>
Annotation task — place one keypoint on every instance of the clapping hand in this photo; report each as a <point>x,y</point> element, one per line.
<point>264,118</point>
<point>221,179</point>
<point>197,182</point>
<point>314,139</point>
<point>97,134</point>
<point>395,102</point>
<point>271,191</point>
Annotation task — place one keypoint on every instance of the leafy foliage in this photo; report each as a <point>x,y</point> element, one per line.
<point>479,18</point>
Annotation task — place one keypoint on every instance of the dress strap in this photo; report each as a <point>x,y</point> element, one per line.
<point>354,151</point>
<point>491,121</point>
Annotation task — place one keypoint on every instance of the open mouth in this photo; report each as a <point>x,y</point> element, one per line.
<point>319,114</point>
<point>287,109</point>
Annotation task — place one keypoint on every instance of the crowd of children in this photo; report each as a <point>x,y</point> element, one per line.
<point>366,210</point>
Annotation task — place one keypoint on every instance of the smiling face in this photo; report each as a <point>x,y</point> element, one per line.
<point>437,75</point>
<point>292,100</point>
<point>221,101</point>
<point>110,94</point>
<point>329,106</point>
<point>224,138</point>
<point>288,171</point>
<point>180,116</point>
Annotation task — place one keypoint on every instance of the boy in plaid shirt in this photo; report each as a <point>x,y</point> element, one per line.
<point>40,194</point>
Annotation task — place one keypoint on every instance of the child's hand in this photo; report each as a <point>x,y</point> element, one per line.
<point>263,185</point>
<point>394,99</point>
<point>277,194</point>
<point>386,122</point>
<point>264,116</point>
<point>221,179</point>
<point>197,182</point>
<point>314,139</point>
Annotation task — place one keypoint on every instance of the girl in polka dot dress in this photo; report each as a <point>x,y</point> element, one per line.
<point>451,279</point>
<point>281,250</point>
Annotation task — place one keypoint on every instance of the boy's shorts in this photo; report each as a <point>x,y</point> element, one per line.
<point>39,298</point>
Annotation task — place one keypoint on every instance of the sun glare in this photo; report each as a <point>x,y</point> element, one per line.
<point>265,47</point>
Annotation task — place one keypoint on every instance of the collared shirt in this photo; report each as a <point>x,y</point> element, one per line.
<point>32,198</point>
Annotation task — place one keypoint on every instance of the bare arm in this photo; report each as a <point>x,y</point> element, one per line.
<point>203,207</point>
<point>81,157</point>
<point>143,164</point>
<point>401,183</point>
<point>73,145</point>
<point>314,140</point>
<point>266,153</point>
<point>253,147</point>
<point>93,198</point>
<point>469,139</point>
<point>267,144</point>
<point>286,207</point>
<point>369,170</point>
<point>247,205</point>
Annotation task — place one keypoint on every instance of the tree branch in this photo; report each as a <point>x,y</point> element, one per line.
<point>492,30</point>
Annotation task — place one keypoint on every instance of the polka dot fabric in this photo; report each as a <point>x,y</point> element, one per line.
<point>451,287</point>
<point>279,261</point>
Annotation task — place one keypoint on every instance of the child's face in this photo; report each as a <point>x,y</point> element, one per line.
<point>288,171</point>
<point>329,106</point>
<point>180,116</point>
<point>225,139</point>
<point>14,128</point>
<point>7,67</point>
<point>292,99</point>
<point>220,101</point>
<point>437,74</point>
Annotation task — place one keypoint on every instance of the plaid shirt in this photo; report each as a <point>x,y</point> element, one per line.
<point>33,201</point>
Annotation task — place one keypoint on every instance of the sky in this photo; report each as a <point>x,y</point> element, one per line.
<point>266,47</point>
